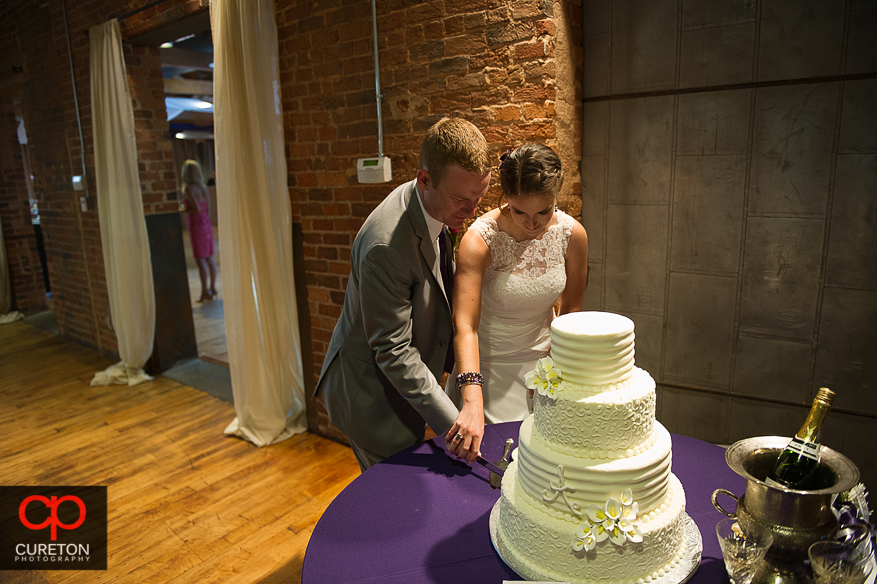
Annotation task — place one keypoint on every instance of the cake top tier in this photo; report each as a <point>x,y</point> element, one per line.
<point>594,325</point>
<point>593,348</point>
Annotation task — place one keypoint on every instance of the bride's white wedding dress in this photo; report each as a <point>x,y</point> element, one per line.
<point>518,293</point>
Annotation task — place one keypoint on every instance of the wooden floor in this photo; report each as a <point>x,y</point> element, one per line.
<point>186,503</point>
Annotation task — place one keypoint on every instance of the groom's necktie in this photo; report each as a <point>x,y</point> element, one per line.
<point>448,281</point>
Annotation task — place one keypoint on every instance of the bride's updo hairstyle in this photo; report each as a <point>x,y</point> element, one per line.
<point>531,169</point>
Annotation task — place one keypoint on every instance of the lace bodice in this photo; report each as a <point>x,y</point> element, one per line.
<point>521,285</point>
<point>526,272</point>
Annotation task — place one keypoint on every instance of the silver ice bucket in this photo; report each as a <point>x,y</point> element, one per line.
<point>795,518</point>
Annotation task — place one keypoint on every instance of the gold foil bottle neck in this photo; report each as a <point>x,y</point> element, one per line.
<point>812,428</point>
<point>825,396</point>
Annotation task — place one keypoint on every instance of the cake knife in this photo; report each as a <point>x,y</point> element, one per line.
<point>495,471</point>
<point>498,469</point>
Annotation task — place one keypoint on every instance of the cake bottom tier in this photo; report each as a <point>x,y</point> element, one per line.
<point>542,543</point>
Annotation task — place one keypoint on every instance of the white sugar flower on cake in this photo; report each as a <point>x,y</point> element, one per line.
<point>615,521</point>
<point>585,538</point>
<point>546,379</point>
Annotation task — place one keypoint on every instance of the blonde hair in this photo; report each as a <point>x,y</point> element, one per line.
<point>191,173</point>
<point>454,141</point>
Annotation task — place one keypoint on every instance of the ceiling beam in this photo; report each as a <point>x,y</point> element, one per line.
<point>195,60</point>
<point>202,119</point>
<point>187,87</point>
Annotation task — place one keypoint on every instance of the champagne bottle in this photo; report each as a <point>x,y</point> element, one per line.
<point>797,463</point>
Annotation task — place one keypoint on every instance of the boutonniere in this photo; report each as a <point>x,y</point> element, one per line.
<point>452,234</point>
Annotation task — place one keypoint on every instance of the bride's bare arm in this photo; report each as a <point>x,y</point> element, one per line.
<point>576,270</point>
<point>472,261</point>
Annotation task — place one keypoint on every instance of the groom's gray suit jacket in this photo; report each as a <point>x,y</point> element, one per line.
<point>379,380</point>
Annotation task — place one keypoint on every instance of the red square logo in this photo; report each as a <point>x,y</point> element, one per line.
<point>53,528</point>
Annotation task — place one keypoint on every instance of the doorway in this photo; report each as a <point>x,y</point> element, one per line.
<point>186,47</point>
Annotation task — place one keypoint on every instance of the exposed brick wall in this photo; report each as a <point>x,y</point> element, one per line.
<point>153,17</point>
<point>23,261</point>
<point>513,67</point>
<point>143,66</point>
<point>494,62</point>
<point>154,151</point>
<point>72,236</point>
<point>49,114</point>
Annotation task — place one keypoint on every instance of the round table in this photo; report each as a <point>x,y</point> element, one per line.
<point>422,516</point>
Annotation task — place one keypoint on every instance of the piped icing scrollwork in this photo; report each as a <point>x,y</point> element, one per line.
<point>560,488</point>
<point>599,424</point>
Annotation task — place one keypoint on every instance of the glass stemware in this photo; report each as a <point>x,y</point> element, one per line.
<point>743,548</point>
<point>849,561</point>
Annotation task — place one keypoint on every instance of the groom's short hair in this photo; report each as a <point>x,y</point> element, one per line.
<point>454,141</point>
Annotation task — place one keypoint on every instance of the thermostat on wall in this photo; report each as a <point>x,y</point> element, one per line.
<point>374,170</point>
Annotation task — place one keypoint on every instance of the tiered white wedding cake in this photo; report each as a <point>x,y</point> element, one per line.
<point>589,496</point>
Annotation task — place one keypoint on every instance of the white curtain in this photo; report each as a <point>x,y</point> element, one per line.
<point>120,209</point>
<point>7,315</point>
<point>255,226</point>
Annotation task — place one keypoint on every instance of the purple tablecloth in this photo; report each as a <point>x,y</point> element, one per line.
<point>421,516</point>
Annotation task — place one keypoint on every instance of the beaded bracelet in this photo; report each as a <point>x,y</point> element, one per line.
<point>469,378</point>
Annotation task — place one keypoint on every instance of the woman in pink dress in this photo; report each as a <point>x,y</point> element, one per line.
<point>196,206</point>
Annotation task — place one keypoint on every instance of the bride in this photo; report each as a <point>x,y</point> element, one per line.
<point>518,267</point>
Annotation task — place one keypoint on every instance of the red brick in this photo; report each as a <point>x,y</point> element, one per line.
<point>340,268</point>
<point>539,72</point>
<point>496,57</point>
<point>470,81</point>
<point>327,253</point>
<point>337,238</point>
<point>467,44</point>
<point>414,35</point>
<point>529,50</point>
<point>302,150</point>
<point>322,225</point>
<point>534,93</point>
<point>327,281</point>
<point>504,75</point>
<point>455,7</point>
<point>507,113</point>
<point>352,225</point>
<point>547,27</point>
<point>427,51</point>
<point>534,132</point>
<point>536,110</point>
<point>336,209</point>
<point>523,9</point>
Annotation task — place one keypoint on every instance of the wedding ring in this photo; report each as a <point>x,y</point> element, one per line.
<point>458,437</point>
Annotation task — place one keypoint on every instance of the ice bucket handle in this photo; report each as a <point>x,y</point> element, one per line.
<point>721,509</point>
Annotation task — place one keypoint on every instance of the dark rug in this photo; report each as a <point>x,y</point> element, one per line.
<point>213,379</point>
<point>45,320</point>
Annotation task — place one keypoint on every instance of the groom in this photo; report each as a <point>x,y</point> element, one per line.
<point>379,380</point>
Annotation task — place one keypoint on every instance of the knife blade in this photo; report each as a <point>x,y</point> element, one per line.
<point>489,466</point>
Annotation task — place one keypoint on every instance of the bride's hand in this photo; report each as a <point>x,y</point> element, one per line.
<point>463,440</point>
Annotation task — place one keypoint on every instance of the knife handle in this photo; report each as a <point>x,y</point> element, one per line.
<point>508,448</point>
